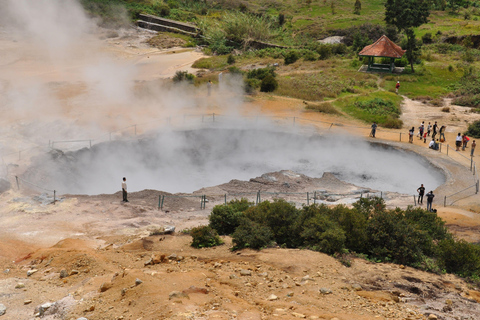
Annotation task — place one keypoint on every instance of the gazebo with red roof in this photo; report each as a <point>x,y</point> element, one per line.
<point>382,48</point>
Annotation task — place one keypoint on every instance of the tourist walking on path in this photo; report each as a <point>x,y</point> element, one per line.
<point>429,129</point>
<point>397,86</point>
<point>411,132</point>
<point>421,192</point>
<point>435,128</point>
<point>442,134</point>
<point>420,130</point>
<point>430,197</point>
<point>124,189</point>
<point>465,140</point>
<point>374,129</point>
<point>473,148</point>
<point>458,141</point>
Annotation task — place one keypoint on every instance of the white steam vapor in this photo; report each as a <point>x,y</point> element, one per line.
<point>59,81</point>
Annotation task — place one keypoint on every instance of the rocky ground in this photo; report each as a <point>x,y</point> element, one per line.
<point>94,257</point>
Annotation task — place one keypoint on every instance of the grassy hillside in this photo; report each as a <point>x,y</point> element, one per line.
<point>316,72</point>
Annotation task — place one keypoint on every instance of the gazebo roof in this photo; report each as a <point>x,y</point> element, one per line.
<point>383,47</point>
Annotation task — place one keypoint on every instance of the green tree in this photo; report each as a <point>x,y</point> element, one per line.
<point>406,15</point>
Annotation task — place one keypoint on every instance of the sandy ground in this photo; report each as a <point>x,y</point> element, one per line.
<point>95,257</point>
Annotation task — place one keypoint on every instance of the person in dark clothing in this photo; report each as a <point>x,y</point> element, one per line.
<point>124,189</point>
<point>430,197</point>
<point>435,128</point>
<point>421,192</point>
<point>374,129</point>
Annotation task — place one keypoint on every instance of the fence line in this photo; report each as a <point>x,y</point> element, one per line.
<point>214,117</point>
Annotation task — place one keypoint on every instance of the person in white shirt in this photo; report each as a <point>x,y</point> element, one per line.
<point>124,189</point>
<point>458,141</point>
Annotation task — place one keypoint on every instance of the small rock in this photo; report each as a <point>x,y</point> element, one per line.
<point>263,274</point>
<point>138,282</point>
<point>73,272</point>
<point>298,315</point>
<point>307,278</point>
<point>432,317</point>
<point>244,272</point>
<point>63,274</point>
<point>233,276</point>
<point>90,309</point>
<point>3,309</point>
<point>105,286</point>
<point>357,287</point>
<point>82,318</point>
<point>272,297</point>
<point>217,265</point>
<point>27,301</point>
<point>6,271</point>
<point>177,294</point>
<point>448,302</point>
<point>20,285</point>
<point>41,309</point>
<point>30,272</point>
<point>173,256</point>
<point>148,262</point>
<point>290,294</point>
<point>325,290</point>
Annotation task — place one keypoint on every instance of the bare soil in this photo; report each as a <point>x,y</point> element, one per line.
<point>95,257</point>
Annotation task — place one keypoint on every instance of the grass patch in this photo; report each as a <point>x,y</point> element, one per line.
<point>212,63</point>
<point>381,107</point>
<point>323,107</point>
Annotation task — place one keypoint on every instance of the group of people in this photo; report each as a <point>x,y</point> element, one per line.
<point>424,132</point>
<point>429,195</point>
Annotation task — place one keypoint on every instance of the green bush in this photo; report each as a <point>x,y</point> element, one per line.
<point>319,231</point>
<point>392,123</point>
<point>392,238</point>
<point>225,218</point>
<point>378,106</point>
<point>310,56</point>
<point>250,234</point>
<point>280,216</point>
<point>268,84</point>
<point>183,76</point>
<point>261,73</point>
<point>460,257</point>
<point>230,59</point>
<point>474,130</point>
<point>291,57</point>
<point>427,38</point>
<point>354,225</point>
<point>205,237</point>
<point>369,206</point>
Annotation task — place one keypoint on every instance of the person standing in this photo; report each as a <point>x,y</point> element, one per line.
<point>442,134</point>
<point>209,87</point>
<point>429,129</point>
<point>435,127</point>
<point>430,197</point>
<point>420,130</point>
<point>397,86</point>
<point>124,189</point>
<point>411,132</point>
<point>421,192</point>
<point>458,141</point>
<point>374,129</point>
<point>473,148</point>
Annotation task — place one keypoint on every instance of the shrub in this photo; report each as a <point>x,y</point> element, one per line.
<point>446,109</point>
<point>354,224</point>
<point>281,19</point>
<point>459,257</point>
<point>230,59</point>
<point>268,84</point>
<point>250,234</point>
<point>161,9</point>
<point>183,76</point>
<point>392,123</point>
<point>392,238</point>
<point>369,206</point>
<point>280,216</point>
<point>378,106</point>
<point>310,56</point>
<point>427,38</point>
<point>205,237</point>
<point>261,73</point>
<point>474,130</point>
<point>319,231</point>
<point>225,218</point>
<point>291,57</point>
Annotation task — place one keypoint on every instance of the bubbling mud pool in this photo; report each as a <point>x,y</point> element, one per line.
<point>187,160</point>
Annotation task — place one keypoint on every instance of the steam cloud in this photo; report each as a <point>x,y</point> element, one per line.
<point>60,81</point>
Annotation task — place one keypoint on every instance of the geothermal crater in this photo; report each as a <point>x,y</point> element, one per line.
<point>187,160</point>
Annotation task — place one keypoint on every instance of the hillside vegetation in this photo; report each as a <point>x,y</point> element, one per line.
<point>443,52</point>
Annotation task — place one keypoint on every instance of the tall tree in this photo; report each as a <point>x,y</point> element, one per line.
<point>407,15</point>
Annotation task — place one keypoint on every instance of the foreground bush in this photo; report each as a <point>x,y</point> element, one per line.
<point>459,257</point>
<point>225,218</point>
<point>250,234</point>
<point>205,237</point>
<point>474,130</point>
